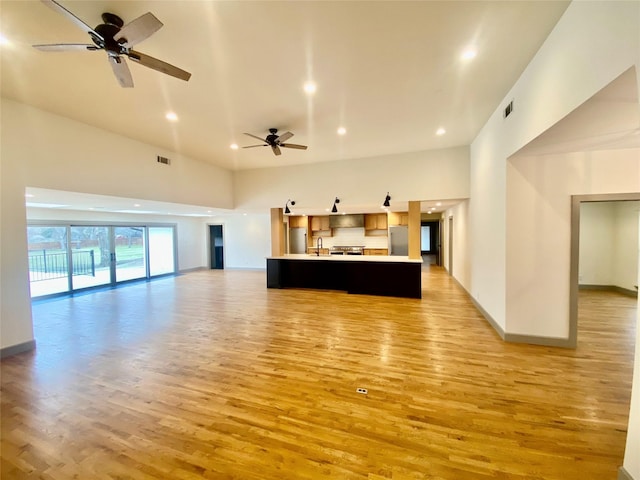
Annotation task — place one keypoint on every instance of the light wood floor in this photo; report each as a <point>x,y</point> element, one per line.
<point>211,375</point>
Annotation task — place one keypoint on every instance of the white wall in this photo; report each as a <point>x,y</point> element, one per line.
<point>609,244</point>
<point>632,450</point>
<point>539,218</point>
<point>192,246</point>
<point>625,265</point>
<point>461,242</point>
<point>39,149</point>
<point>592,44</point>
<point>597,233</point>
<point>437,174</point>
<point>247,239</point>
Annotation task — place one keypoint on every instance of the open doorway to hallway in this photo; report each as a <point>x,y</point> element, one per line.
<point>216,247</point>
<point>605,238</point>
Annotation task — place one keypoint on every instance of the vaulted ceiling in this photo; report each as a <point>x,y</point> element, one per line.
<point>390,72</point>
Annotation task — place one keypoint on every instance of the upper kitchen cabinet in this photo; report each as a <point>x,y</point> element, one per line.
<point>320,226</point>
<point>375,224</point>
<point>297,221</point>
<point>398,218</point>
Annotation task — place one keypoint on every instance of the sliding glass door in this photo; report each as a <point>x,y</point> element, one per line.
<point>130,253</point>
<point>66,258</point>
<point>48,260</point>
<point>90,256</point>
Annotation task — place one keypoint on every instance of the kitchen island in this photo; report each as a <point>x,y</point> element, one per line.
<point>394,276</point>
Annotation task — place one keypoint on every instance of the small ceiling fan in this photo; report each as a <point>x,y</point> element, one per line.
<point>116,38</point>
<point>276,141</point>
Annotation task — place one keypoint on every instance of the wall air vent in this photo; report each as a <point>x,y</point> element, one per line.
<point>508,109</point>
<point>164,160</point>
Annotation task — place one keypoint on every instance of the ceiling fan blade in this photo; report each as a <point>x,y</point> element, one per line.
<point>121,71</point>
<point>137,30</point>
<point>251,146</point>
<point>276,150</point>
<point>257,138</point>
<point>70,16</point>
<point>65,47</point>
<point>159,65</point>
<point>284,137</point>
<point>293,145</point>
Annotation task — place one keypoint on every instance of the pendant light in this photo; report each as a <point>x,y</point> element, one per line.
<point>286,206</point>
<point>335,209</point>
<point>386,201</point>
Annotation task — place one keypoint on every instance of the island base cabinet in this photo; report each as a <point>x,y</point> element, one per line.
<point>395,279</point>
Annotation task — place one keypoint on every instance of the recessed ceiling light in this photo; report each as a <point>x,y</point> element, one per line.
<point>310,88</point>
<point>441,131</point>
<point>234,146</point>
<point>171,116</point>
<point>438,204</point>
<point>342,131</point>
<point>4,40</point>
<point>28,195</point>
<point>136,204</point>
<point>469,53</point>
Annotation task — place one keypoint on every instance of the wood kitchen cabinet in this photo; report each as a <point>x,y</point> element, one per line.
<point>297,221</point>
<point>375,224</point>
<point>320,225</point>
<point>376,251</point>
<point>398,218</point>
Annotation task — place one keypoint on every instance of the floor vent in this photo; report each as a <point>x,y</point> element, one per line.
<point>164,160</point>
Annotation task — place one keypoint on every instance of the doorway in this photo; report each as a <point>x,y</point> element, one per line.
<point>216,247</point>
<point>578,278</point>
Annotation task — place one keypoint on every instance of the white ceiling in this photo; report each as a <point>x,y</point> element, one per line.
<point>390,72</point>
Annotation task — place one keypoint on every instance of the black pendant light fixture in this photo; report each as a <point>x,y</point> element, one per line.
<point>335,209</point>
<point>386,201</point>
<point>286,206</point>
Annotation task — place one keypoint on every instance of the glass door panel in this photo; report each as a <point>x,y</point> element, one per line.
<point>90,256</point>
<point>161,251</point>
<point>48,261</point>
<point>129,257</point>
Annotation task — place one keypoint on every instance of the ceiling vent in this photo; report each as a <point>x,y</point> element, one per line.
<point>164,160</point>
<point>508,109</point>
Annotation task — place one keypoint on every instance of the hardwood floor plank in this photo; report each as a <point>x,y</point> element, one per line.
<point>212,375</point>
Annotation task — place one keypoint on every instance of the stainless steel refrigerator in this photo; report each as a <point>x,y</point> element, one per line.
<point>298,240</point>
<point>399,240</point>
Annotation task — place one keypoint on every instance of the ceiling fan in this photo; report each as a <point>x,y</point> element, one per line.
<point>116,38</point>
<point>276,141</point>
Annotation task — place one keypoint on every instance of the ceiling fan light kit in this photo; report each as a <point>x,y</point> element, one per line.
<point>117,39</point>
<point>275,141</point>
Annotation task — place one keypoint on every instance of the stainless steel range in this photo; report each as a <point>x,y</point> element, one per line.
<point>346,250</point>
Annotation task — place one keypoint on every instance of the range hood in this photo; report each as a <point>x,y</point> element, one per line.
<point>346,221</point>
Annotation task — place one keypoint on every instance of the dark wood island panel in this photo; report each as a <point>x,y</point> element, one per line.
<point>388,278</point>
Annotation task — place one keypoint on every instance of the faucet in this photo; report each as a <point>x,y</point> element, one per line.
<point>318,246</point>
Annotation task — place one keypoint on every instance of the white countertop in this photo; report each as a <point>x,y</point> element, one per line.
<point>347,258</point>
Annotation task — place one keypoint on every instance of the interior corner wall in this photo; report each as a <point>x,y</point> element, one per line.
<point>597,243</point>
<point>247,240</point>
<point>591,45</point>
